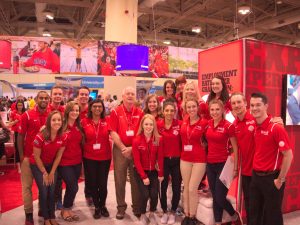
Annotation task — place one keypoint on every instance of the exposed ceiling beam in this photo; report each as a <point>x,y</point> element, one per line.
<point>83,4</point>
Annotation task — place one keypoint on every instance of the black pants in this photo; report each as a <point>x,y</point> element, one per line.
<point>149,191</point>
<point>70,175</point>
<point>2,149</point>
<point>266,198</point>
<point>171,168</point>
<point>219,191</point>
<point>246,181</point>
<point>17,155</point>
<point>87,188</point>
<point>96,176</point>
<point>58,188</point>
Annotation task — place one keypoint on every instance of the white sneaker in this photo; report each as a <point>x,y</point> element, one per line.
<point>152,219</point>
<point>144,219</point>
<point>164,218</point>
<point>171,219</point>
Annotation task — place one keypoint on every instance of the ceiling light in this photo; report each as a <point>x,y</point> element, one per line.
<point>167,41</point>
<point>49,15</point>
<point>46,33</point>
<point>244,9</point>
<point>299,26</point>
<point>196,29</point>
<point>278,2</point>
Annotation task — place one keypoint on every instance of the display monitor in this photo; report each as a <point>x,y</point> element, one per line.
<point>94,94</point>
<point>291,99</point>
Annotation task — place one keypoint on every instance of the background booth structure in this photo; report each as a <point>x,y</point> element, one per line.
<point>250,66</point>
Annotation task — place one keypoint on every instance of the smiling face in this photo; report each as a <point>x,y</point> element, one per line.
<point>19,106</point>
<point>216,85</point>
<point>83,96</point>
<point>56,95</point>
<point>97,109</point>
<point>153,104</point>
<point>238,104</point>
<point>180,87</point>
<point>216,111</point>
<point>129,96</point>
<point>169,112</point>
<point>148,126</point>
<point>191,108</point>
<point>190,91</point>
<point>258,108</point>
<point>42,100</point>
<point>74,113</point>
<point>56,122</point>
<point>169,89</point>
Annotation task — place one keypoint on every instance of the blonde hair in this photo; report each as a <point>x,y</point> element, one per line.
<point>155,130</point>
<point>197,96</point>
<point>220,103</point>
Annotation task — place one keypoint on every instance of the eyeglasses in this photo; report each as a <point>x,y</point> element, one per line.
<point>97,106</point>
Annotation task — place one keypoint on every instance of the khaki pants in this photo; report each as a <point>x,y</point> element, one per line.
<point>121,165</point>
<point>192,174</point>
<point>26,179</point>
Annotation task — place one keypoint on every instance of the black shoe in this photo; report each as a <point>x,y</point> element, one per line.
<point>97,214</point>
<point>120,215</point>
<point>193,221</point>
<point>137,215</point>
<point>40,213</point>
<point>185,221</point>
<point>29,219</point>
<point>104,212</point>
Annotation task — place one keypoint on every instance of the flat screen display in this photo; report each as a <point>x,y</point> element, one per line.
<point>94,94</point>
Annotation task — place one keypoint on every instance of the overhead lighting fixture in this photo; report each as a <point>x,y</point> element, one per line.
<point>244,9</point>
<point>196,29</point>
<point>299,26</point>
<point>167,41</point>
<point>46,33</point>
<point>278,2</point>
<point>49,15</point>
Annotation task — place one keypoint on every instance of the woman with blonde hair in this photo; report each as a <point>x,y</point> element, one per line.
<point>147,154</point>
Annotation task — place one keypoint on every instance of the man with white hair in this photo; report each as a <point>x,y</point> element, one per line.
<point>125,120</point>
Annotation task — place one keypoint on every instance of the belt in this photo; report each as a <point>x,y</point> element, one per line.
<point>265,173</point>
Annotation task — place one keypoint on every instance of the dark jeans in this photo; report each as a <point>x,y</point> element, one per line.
<point>171,168</point>
<point>70,175</point>
<point>148,191</point>
<point>87,188</point>
<point>2,149</point>
<point>246,181</point>
<point>219,191</point>
<point>266,198</point>
<point>58,188</point>
<point>97,175</point>
<point>17,156</point>
<point>46,193</point>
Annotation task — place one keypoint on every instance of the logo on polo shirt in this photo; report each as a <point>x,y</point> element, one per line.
<point>175,132</point>
<point>250,122</point>
<point>221,129</point>
<point>265,132</point>
<point>136,117</point>
<point>59,142</point>
<point>141,148</point>
<point>103,123</point>
<point>198,128</point>
<point>281,143</point>
<point>251,128</point>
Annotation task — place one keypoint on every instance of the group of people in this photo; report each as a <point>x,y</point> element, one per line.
<point>177,138</point>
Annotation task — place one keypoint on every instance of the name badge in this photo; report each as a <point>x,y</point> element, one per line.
<point>96,146</point>
<point>188,148</point>
<point>130,133</point>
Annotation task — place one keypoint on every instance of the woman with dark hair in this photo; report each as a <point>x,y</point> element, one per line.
<point>148,161</point>
<point>169,129</point>
<point>15,119</point>
<point>169,91</point>
<point>219,91</point>
<point>70,164</point>
<point>48,147</point>
<point>153,107</point>
<point>180,83</point>
<point>97,155</point>
<point>219,134</point>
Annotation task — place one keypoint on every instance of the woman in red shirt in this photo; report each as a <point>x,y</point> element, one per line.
<point>193,158</point>
<point>218,134</point>
<point>169,90</point>
<point>169,129</point>
<point>147,154</point>
<point>97,155</point>
<point>153,107</point>
<point>48,147</point>
<point>14,119</point>
<point>70,164</point>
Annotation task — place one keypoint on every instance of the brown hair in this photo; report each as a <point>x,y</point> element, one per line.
<point>46,132</point>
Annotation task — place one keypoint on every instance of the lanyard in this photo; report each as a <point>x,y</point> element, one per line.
<point>129,122</point>
<point>96,130</point>
<point>188,133</point>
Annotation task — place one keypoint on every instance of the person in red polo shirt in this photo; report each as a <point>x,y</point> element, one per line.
<point>272,160</point>
<point>148,161</point>
<point>153,107</point>
<point>83,101</point>
<point>31,122</point>
<point>97,155</point>
<point>169,129</point>
<point>180,82</point>
<point>56,96</point>
<point>218,134</point>
<point>70,165</point>
<point>48,147</point>
<point>124,124</point>
<point>193,158</point>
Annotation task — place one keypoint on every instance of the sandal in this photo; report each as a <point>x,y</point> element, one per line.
<point>67,217</point>
<point>74,216</point>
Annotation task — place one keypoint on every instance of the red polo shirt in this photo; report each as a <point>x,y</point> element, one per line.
<point>31,122</point>
<point>146,155</point>
<point>171,142</point>
<point>15,115</point>
<point>83,114</point>
<point>178,98</point>
<point>48,148</point>
<point>218,140</point>
<point>96,146</point>
<point>73,150</point>
<point>244,131</point>
<point>191,136</point>
<point>122,121</point>
<point>60,108</point>
<point>270,140</point>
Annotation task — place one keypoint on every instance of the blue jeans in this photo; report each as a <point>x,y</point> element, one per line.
<point>70,175</point>
<point>46,193</point>
<point>219,191</point>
